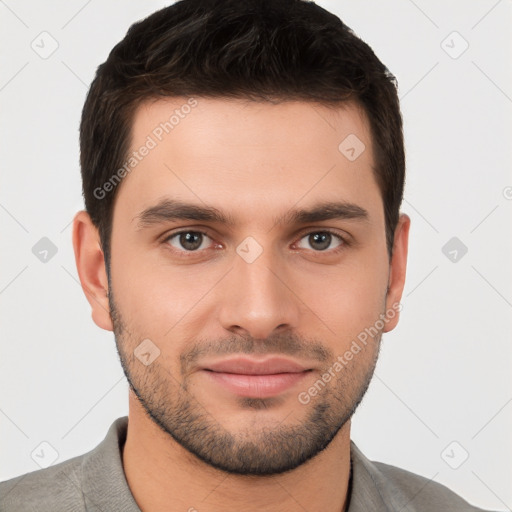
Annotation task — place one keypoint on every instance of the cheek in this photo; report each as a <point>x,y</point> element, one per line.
<point>353,298</point>
<point>158,299</point>
<point>139,290</point>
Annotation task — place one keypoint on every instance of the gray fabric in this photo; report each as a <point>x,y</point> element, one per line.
<point>95,482</point>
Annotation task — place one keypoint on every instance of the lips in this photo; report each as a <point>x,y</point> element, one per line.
<point>246,366</point>
<point>255,378</point>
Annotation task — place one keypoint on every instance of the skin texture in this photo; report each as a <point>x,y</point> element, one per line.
<point>193,444</point>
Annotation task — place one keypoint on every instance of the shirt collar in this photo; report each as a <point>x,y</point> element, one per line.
<point>104,484</point>
<point>371,489</point>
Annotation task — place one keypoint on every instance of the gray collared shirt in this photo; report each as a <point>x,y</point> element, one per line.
<point>95,482</point>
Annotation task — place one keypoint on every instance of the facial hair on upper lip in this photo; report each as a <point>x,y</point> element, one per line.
<point>277,345</point>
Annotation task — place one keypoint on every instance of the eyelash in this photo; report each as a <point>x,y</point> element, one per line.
<point>189,254</point>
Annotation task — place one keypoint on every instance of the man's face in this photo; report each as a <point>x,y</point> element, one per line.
<point>247,317</point>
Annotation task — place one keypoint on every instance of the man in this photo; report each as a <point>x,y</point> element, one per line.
<point>243,170</point>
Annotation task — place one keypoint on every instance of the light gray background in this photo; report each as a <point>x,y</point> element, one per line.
<point>444,373</point>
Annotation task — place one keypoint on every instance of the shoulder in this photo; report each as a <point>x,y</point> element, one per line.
<point>424,493</point>
<point>92,481</point>
<point>398,489</point>
<point>57,488</point>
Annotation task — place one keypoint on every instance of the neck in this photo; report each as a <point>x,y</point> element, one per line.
<point>163,476</point>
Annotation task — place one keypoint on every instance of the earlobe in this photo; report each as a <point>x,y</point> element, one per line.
<point>397,271</point>
<point>90,264</point>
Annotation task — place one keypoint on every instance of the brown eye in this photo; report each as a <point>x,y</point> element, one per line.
<point>187,241</point>
<point>322,240</point>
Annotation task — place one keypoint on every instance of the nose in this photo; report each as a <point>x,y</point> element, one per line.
<point>258,299</point>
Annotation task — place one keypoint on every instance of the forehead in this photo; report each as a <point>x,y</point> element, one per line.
<point>250,156</point>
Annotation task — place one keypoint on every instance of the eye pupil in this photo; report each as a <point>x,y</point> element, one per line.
<point>323,238</point>
<point>191,240</point>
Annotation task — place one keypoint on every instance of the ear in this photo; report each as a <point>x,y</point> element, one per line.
<point>90,263</point>
<point>397,270</point>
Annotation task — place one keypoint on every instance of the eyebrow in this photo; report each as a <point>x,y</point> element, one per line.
<point>171,210</point>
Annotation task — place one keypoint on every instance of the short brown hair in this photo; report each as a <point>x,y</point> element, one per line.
<point>261,50</point>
